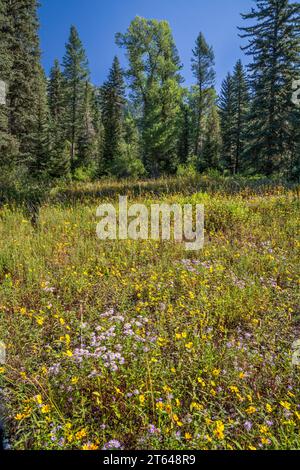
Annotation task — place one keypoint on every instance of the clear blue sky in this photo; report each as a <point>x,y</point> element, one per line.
<point>98,20</point>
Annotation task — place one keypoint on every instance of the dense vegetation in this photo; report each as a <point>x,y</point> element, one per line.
<point>142,345</point>
<point>135,344</point>
<point>143,121</point>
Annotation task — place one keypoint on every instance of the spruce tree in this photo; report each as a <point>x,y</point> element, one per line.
<point>273,43</point>
<point>212,140</point>
<point>24,79</point>
<point>241,104</point>
<point>59,158</point>
<point>203,62</point>
<point>76,73</point>
<point>113,102</point>
<point>87,138</point>
<point>228,113</point>
<point>234,108</point>
<point>8,144</point>
<point>38,162</point>
<point>184,143</point>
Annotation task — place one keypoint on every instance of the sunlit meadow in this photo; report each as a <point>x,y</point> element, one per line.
<point>143,345</point>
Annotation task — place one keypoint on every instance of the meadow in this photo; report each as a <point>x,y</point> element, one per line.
<point>143,345</point>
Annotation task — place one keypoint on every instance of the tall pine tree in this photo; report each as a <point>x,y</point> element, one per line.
<point>76,73</point>
<point>59,158</point>
<point>273,43</point>
<point>203,61</point>
<point>8,144</point>
<point>22,53</point>
<point>113,103</point>
<point>228,113</point>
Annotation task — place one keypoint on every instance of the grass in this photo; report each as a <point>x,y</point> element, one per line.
<point>142,345</point>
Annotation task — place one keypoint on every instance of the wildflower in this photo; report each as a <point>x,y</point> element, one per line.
<point>160,406</point>
<point>2,370</point>
<point>269,408</point>
<point>81,434</point>
<point>19,417</point>
<point>45,409</point>
<point>153,429</point>
<point>90,446</point>
<point>286,405</point>
<point>216,372</point>
<point>38,399</point>
<point>201,382</point>
<point>113,445</point>
<point>263,430</point>
<point>196,406</point>
<point>219,430</point>
<point>251,410</point>
<point>142,399</point>
<point>189,346</point>
<point>69,353</point>
<point>248,426</point>
<point>188,436</point>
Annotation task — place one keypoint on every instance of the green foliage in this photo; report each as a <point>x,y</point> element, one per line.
<point>234,109</point>
<point>203,62</point>
<point>76,74</point>
<point>155,83</point>
<point>273,43</point>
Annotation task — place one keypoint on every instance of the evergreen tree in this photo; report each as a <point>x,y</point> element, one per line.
<point>113,103</point>
<point>59,152</point>
<point>56,95</point>
<point>234,108</point>
<point>212,140</point>
<point>8,145</point>
<point>184,144</point>
<point>87,134</point>
<point>203,70</point>
<point>128,162</point>
<point>241,105</point>
<point>228,113</point>
<point>155,82</point>
<point>38,162</point>
<point>273,42</point>
<point>76,73</point>
<point>23,54</point>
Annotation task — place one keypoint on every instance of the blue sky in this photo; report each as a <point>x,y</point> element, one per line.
<point>98,20</point>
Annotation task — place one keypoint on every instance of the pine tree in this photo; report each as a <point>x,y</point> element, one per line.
<point>228,113</point>
<point>76,73</point>
<point>113,103</point>
<point>56,95</point>
<point>87,143</point>
<point>8,145</point>
<point>38,162</point>
<point>212,141</point>
<point>203,70</point>
<point>273,42</point>
<point>23,54</point>
<point>241,104</point>
<point>59,157</point>
<point>234,108</point>
<point>184,144</point>
<point>129,163</point>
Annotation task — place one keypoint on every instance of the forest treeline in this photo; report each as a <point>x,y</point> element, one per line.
<point>143,121</point>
